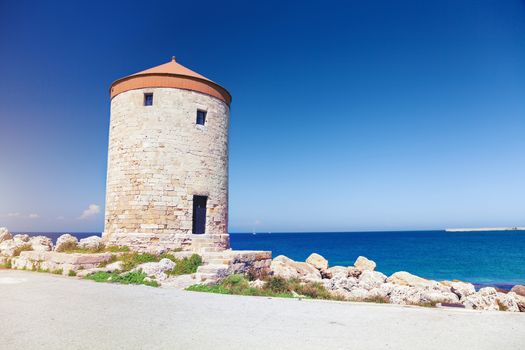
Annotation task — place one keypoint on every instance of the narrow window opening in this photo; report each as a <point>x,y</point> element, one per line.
<point>199,214</point>
<point>201,117</point>
<point>148,99</point>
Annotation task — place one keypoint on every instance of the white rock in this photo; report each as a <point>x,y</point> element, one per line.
<point>363,264</point>
<point>357,294</point>
<point>334,271</point>
<point>65,242</point>
<point>405,295</point>
<point>383,291</point>
<point>21,238</point>
<point>257,284</point>
<point>4,234</point>
<point>41,243</point>
<point>287,268</point>
<point>317,261</point>
<point>8,247</point>
<point>92,242</point>
<point>508,302</point>
<point>484,299</point>
<point>116,266</point>
<point>156,269</point>
<point>434,296</point>
<point>461,289</point>
<point>339,282</point>
<point>404,278</point>
<point>353,272</point>
<point>371,279</point>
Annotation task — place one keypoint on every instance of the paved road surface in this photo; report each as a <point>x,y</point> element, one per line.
<point>43,311</point>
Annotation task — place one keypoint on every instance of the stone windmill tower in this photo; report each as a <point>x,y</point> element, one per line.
<point>167,178</point>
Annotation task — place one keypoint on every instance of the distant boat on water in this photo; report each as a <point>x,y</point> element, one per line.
<point>485,229</point>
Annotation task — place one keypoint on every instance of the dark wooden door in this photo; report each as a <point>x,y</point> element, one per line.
<point>199,214</point>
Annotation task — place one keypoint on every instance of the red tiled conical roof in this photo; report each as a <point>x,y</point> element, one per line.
<point>170,75</point>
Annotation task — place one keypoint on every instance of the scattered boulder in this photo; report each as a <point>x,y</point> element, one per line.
<point>257,283</point>
<point>41,243</point>
<point>353,272</point>
<point>317,261</point>
<point>363,264</point>
<point>430,295</point>
<point>156,270</point>
<point>521,302</point>
<point>484,299</point>
<point>405,295</point>
<point>508,302</point>
<point>287,268</point>
<point>518,289</point>
<point>21,238</point>
<point>341,285</point>
<point>116,266</point>
<point>404,278</point>
<point>357,294</point>
<point>66,242</point>
<point>4,234</point>
<point>461,289</point>
<point>381,292</point>
<point>9,247</point>
<point>92,242</point>
<point>334,271</point>
<point>371,279</point>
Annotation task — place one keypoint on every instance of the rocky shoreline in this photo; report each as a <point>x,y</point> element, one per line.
<point>360,282</point>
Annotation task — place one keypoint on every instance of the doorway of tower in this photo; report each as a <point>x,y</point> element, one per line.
<point>199,214</point>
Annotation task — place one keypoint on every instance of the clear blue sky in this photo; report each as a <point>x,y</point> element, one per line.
<point>350,115</point>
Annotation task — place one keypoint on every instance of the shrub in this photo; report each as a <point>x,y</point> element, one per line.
<point>278,285</point>
<point>314,290</point>
<point>186,266</point>
<point>6,264</point>
<point>131,260</point>
<point>67,247</point>
<point>57,271</point>
<point>254,274</point>
<point>22,248</point>
<point>71,273</point>
<point>377,299</point>
<point>136,277</point>
<point>502,307</point>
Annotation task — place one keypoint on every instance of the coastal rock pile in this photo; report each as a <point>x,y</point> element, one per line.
<point>362,283</point>
<point>11,246</point>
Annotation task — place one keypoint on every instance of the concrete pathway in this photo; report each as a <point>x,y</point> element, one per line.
<point>43,311</point>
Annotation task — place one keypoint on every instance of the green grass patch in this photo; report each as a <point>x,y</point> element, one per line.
<point>6,264</point>
<point>186,266</point>
<point>274,287</point>
<point>131,260</point>
<point>22,248</point>
<point>57,271</point>
<point>71,273</point>
<point>136,277</point>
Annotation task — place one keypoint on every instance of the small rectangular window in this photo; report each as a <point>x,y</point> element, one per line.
<point>201,117</point>
<point>148,99</point>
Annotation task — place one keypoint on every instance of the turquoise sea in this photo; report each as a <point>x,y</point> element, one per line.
<point>484,258</point>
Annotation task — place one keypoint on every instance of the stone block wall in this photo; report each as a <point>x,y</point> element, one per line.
<point>159,158</point>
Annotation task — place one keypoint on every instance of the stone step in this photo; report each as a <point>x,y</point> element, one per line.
<point>212,268</point>
<point>218,261</point>
<point>211,249</point>
<point>201,278</point>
